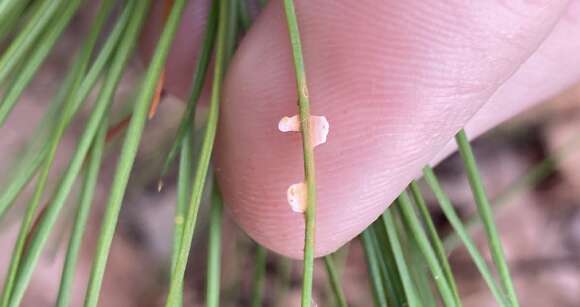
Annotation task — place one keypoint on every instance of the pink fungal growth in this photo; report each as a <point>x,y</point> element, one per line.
<point>318,124</point>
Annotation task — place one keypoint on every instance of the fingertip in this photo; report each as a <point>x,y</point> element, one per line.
<point>395,79</point>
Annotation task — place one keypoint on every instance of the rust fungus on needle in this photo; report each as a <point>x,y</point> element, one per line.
<point>319,128</point>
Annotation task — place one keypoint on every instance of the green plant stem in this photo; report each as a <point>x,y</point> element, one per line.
<point>417,266</point>
<point>81,218</point>
<point>183,192</point>
<point>373,269</point>
<point>412,221</point>
<point>10,15</point>
<point>408,286</point>
<point>340,258</point>
<point>258,278</point>
<point>17,184</point>
<point>203,158</point>
<point>54,141</point>
<point>29,34</point>
<point>212,294</point>
<point>532,177</point>
<point>244,15</point>
<point>232,31</point>
<point>486,214</point>
<point>35,157</point>
<point>187,121</point>
<point>457,225</point>
<point>309,169</point>
<point>393,287</point>
<point>334,281</point>
<point>131,144</point>
<point>34,61</point>
<point>435,239</point>
<point>51,213</point>
<point>10,7</point>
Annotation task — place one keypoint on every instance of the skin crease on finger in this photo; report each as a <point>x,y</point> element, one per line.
<point>395,79</point>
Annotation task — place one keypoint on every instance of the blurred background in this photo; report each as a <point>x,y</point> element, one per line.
<point>531,167</point>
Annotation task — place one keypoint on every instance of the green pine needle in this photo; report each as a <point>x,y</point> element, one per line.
<point>81,218</point>
<point>309,169</point>
<point>417,266</point>
<point>459,228</point>
<point>412,221</point>
<point>199,76</point>
<point>183,192</point>
<point>25,75</point>
<point>212,294</point>
<point>524,183</point>
<point>29,34</point>
<point>376,280</point>
<point>204,157</point>
<point>34,158</point>
<point>435,239</point>
<point>244,15</point>
<point>486,214</point>
<point>51,214</point>
<point>258,279</point>
<point>9,10</point>
<point>54,141</point>
<point>394,288</point>
<point>397,250</point>
<point>132,139</point>
<point>334,281</point>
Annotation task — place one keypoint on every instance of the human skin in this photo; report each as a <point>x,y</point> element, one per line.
<point>395,79</point>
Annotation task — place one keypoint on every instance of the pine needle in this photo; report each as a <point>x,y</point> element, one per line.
<point>212,294</point>
<point>168,4</point>
<point>435,239</point>
<point>334,281</point>
<point>56,135</point>
<point>29,34</point>
<point>204,157</point>
<point>486,214</point>
<point>35,157</point>
<point>373,269</point>
<point>408,286</point>
<point>458,226</point>
<point>183,192</point>
<point>132,140</point>
<point>81,218</point>
<point>258,279</point>
<point>33,62</point>
<point>309,169</point>
<point>412,221</point>
<point>187,120</point>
